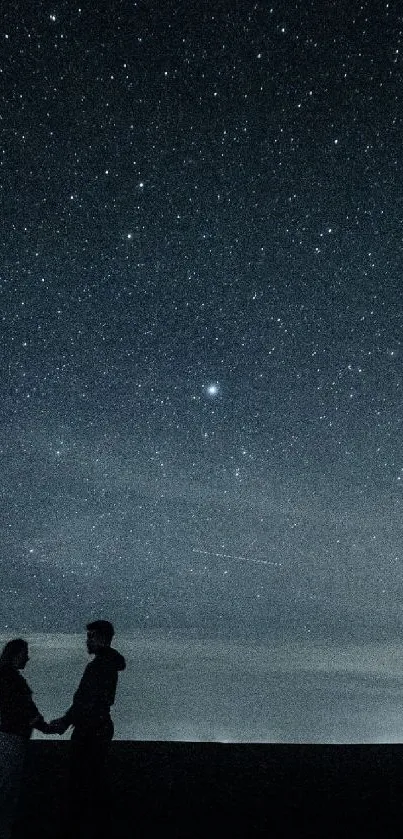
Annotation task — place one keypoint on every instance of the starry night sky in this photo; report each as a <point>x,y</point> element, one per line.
<point>201,304</point>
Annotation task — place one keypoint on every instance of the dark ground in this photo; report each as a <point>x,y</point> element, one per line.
<point>213,789</point>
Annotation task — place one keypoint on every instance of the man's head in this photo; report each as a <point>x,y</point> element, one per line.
<point>99,634</point>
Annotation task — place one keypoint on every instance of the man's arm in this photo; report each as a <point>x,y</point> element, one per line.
<point>94,692</point>
<point>61,724</point>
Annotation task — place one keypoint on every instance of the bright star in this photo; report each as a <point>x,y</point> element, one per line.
<point>213,389</point>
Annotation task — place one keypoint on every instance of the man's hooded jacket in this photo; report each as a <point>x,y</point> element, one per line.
<point>96,692</point>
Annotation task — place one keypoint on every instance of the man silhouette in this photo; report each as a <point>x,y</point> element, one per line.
<point>93,728</point>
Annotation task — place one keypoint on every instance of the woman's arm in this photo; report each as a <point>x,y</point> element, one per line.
<point>40,724</point>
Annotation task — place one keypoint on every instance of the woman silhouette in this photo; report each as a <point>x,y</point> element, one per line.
<point>18,717</point>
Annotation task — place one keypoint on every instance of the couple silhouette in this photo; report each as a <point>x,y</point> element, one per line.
<point>89,716</point>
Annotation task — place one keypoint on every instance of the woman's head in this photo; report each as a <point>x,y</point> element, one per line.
<point>15,652</point>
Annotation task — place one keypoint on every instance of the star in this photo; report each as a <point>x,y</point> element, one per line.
<point>213,389</point>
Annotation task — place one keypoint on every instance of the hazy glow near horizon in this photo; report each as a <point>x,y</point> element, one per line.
<point>357,689</point>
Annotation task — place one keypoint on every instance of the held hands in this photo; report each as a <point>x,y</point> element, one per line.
<point>57,726</point>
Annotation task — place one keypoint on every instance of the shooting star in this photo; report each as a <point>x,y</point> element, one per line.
<point>237,558</point>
